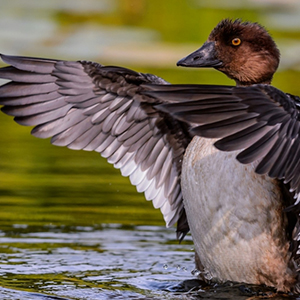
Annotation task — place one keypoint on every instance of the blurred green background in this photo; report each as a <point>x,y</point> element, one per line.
<point>42,184</point>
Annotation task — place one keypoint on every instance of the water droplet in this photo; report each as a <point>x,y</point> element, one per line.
<point>207,275</point>
<point>196,272</point>
<point>165,266</point>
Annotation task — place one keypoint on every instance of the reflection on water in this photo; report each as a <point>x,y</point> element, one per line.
<point>58,207</point>
<point>90,262</point>
<point>102,262</point>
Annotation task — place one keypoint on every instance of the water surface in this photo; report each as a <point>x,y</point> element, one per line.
<point>70,226</point>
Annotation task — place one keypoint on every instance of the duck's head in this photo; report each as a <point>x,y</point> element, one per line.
<point>244,51</point>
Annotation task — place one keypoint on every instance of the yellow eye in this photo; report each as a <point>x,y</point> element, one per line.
<point>236,42</point>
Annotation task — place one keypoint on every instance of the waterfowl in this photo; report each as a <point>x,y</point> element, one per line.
<point>243,213</point>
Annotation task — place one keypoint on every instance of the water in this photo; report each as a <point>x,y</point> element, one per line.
<point>108,261</point>
<point>92,262</point>
<point>70,226</point>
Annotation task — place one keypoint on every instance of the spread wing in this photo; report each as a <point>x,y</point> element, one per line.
<point>260,120</point>
<point>84,105</point>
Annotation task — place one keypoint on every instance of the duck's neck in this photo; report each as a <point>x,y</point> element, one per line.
<point>240,83</point>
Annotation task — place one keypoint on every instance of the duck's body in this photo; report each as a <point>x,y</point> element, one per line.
<point>241,213</point>
<point>231,212</point>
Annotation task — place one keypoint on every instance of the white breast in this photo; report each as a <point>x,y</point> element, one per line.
<point>235,216</point>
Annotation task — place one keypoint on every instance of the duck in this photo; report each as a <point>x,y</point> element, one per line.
<point>219,161</point>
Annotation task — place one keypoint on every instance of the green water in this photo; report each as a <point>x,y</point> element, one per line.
<point>59,208</point>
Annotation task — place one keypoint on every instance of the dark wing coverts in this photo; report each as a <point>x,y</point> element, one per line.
<point>84,105</point>
<point>260,120</point>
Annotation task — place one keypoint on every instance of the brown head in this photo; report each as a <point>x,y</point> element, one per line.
<point>244,51</point>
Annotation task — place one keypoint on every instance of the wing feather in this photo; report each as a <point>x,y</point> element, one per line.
<point>260,120</point>
<point>84,105</point>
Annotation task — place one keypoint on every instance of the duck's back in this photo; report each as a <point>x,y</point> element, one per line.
<point>235,217</point>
